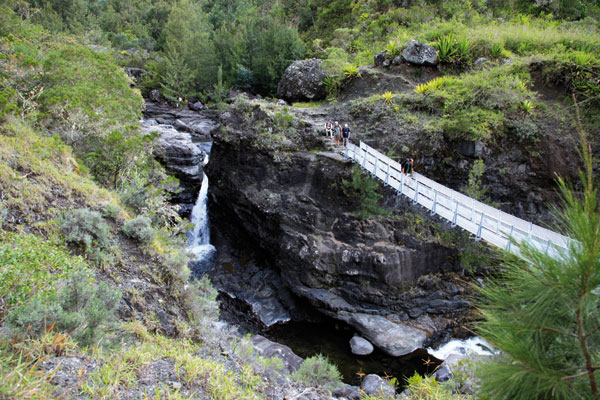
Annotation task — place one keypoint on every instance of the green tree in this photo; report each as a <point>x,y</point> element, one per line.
<point>188,46</point>
<point>543,312</point>
<point>364,188</point>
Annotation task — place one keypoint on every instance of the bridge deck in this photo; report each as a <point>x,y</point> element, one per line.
<point>485,222</point>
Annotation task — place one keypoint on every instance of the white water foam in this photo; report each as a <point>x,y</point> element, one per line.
<point>200,236</point>
<point>474,345</point>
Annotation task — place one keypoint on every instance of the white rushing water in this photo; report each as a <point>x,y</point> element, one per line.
<point>474,345</point>
<point>200,236</point>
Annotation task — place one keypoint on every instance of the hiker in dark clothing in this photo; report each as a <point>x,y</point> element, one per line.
<point>345,134</point>
<point>408,166</point>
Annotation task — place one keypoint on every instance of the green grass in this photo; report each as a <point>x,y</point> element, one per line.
<point>31,265</point>
<point>308,104</point>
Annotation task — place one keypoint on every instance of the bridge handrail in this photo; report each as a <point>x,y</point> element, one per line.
<point>486,222</point>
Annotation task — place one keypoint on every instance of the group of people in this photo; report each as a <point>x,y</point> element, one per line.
<point>339,133</point>
<point>342,134</point>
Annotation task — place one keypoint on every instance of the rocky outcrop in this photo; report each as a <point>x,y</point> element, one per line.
<point>182,134</point>
<point>418,53</point>
<point>303,80</point>
<point>200,124</point>
<point>291,206</point>
<point>181,157</point>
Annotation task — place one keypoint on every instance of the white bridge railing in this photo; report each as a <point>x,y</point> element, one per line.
<point>485,222</point>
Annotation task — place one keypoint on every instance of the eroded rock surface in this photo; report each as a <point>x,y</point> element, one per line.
<point>287,199</point>
<point>418,53</point>
<point>303,80</point>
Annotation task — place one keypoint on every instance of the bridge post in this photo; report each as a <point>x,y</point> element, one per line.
<point>512,228</point>
<point>455,214</point>
<point>530,229</point>
<point>375,167</point>
<point>547,247</point>
<point>387,174</point>
<point>346,152</point>
<point>478,235</point>
<point>353,153</point>
<point>416,193</point>
<point>401,182</point>
<point>498,225</point>
<point>432,212</point>
<point>364,159</point>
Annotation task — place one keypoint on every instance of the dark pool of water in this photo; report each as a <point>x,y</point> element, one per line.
<point>332,339</point>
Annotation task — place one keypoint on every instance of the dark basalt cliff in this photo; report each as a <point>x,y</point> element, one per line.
<point>287,201</point>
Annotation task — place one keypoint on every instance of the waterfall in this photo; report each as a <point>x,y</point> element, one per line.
<point>199,239</point>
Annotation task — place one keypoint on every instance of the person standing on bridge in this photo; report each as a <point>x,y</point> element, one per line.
<point>345,134</point>
<point>408,166</point>
<point>337,132</point>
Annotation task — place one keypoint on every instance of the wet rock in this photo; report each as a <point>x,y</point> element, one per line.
<point>266,348</point>
<point>361,346</point>
<point>418,53</point>
<point>374,385</point>
<point>303,80</point>
<point>395,339</point>
<point>174,147</point>
<point>260,288</point>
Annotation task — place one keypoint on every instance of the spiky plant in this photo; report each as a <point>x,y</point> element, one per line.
<point>543,312</point>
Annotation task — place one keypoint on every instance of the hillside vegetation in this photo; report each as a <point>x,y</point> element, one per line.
<point>93,264</point>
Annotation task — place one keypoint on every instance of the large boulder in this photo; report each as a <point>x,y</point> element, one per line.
<point>361,346</point>
<point>303,80</point>
<point>396,339</point>
<point>420,54</point>
<point>268,349</point>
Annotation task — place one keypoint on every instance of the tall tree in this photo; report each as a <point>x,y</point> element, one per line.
<point>187,38</point>
<point>543,313</point>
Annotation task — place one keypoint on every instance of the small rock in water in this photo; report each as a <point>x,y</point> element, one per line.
<point>374,385</point>
<point>360,346</point>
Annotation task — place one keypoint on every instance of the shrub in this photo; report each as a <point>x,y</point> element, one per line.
<point>111,211</point>
<point>318,371</point>
<point>427,388</point>
<point>28,266</point>
<point>351,71</point>
<point>364,188</point>
<point>80,307</point>
<point>87,230</point>
<point>140,229</point>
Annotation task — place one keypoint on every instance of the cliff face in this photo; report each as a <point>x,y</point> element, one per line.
<point>293,209</point>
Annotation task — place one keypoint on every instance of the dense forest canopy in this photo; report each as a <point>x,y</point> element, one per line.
<point>252,41</point>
